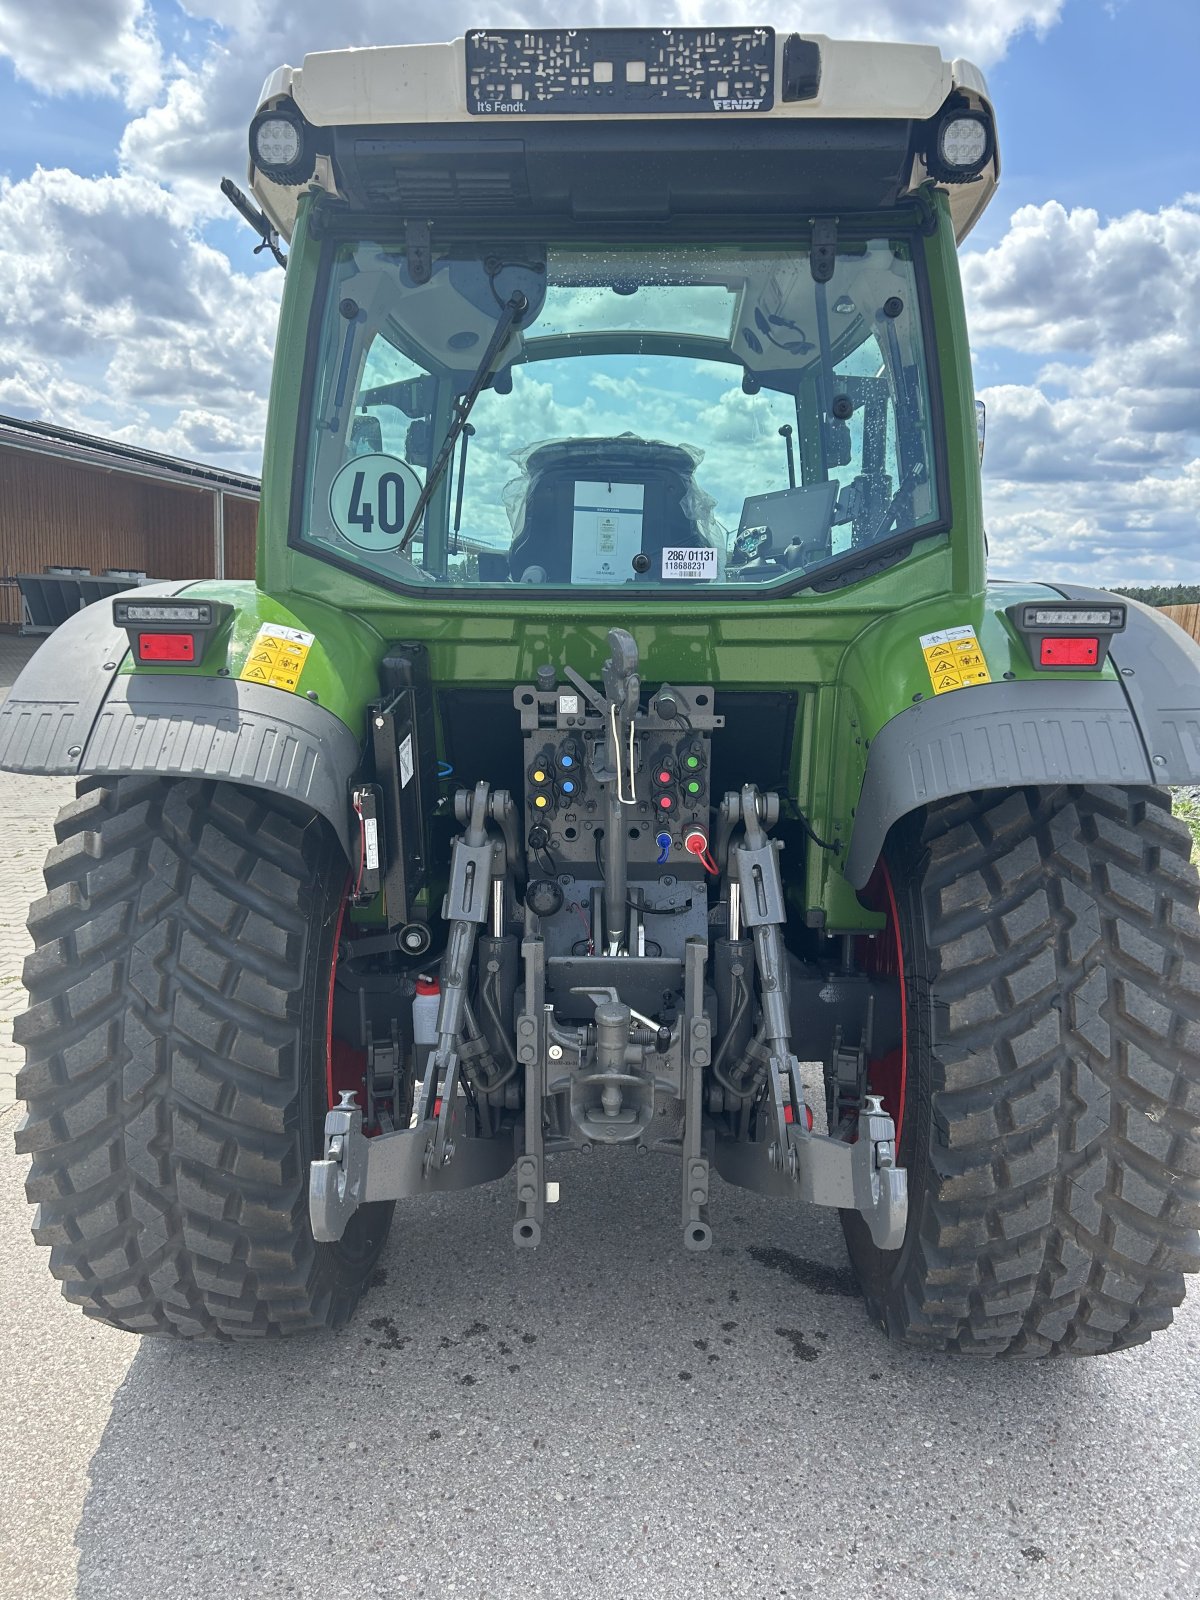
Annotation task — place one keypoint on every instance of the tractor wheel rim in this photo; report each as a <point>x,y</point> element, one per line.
<point>333,1077</point>
<point>887,1075</point>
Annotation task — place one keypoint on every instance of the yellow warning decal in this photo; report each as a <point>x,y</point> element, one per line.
<point>277,656</point>
<point>954,659</point>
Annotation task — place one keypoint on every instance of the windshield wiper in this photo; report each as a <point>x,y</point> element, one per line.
<point>514,308</point>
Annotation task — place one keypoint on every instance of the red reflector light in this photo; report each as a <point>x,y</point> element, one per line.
<point>166,647</point>
<point>1070,652</point>
<point>437,1106</point>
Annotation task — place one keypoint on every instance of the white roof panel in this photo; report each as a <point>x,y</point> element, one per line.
<point>427,83</point>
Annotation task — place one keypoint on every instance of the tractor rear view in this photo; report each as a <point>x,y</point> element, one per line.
<point>622,743</point>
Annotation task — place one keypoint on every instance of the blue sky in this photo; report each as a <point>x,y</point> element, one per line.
<point>134,307</point>
<point>1101,111</point>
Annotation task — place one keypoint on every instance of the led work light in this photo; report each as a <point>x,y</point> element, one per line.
<point>279,145</point>
<point>962,147</point>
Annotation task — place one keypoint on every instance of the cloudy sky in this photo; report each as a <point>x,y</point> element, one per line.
<point>132,306</point>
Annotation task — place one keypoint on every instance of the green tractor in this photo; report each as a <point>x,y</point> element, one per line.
<point>622,743</point>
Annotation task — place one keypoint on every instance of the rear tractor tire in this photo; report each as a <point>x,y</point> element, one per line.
<point>177,1041</point>
<point>1049,1098</point>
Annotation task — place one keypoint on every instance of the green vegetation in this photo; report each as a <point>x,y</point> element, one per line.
<point>1189,809</point>
<point>1165,594</point>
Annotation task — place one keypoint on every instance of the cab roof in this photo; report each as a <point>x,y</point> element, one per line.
<point>385,118</point>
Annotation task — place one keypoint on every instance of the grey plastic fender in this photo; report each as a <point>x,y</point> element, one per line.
<point>1143,728</point>
<point>70,712</point>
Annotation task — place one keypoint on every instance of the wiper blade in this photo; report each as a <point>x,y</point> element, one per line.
<point>514,309</point>
<point>257,219</point>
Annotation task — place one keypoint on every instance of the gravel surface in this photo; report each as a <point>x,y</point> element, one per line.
<point>605,1417</point>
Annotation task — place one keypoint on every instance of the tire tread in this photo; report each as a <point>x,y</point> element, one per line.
<point>1062,976</point>
<point>162,1077</point>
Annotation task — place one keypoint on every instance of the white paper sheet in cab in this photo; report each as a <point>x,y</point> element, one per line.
<point>607,531</point>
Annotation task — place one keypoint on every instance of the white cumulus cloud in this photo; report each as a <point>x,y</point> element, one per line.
<point>1094,466</point>
<point>84,47</point>
<point>119,319</point>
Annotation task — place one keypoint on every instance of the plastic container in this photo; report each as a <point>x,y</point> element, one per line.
<point>426,1004</point>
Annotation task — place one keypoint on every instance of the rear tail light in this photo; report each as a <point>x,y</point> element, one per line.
<point>166,647</point>
<point>167,631</point>
<point>1068,635</point>
<point>1070,652</point>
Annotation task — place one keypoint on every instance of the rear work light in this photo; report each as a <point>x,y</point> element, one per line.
<point>281,146</point>
<point>166,647</point>
<point>961,143</point>
<point>1069,635</point>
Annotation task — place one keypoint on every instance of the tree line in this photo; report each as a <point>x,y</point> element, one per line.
<point>1164,594</point>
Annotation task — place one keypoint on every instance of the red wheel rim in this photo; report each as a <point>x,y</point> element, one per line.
<point>345,1066</point>
<point>887,1075</point>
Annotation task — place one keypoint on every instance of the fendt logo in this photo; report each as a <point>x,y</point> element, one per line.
<point>737,105</point>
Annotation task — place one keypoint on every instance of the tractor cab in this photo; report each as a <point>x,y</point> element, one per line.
<point>548,350</point>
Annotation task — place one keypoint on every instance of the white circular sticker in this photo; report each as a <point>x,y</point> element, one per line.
<point>371,500</point>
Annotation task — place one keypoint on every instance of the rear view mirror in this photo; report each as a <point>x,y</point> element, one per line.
<point>366,437</point>
<point>980,426</point>
<point>839,448</point>
<point>413,396</point>
<point>418,442</point>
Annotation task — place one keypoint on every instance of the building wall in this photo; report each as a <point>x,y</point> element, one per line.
<point>63,513</point>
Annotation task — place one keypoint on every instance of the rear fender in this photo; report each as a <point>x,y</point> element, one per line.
<point>81,708</point>
<point>1136,725</point>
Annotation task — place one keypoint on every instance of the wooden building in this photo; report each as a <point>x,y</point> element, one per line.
<point>70,500</point>
<point>1188,618</point>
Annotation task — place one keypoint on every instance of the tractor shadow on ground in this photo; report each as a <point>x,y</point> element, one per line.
<point>606,1405</point>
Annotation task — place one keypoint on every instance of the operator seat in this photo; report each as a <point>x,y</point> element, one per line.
<point>542,550</point>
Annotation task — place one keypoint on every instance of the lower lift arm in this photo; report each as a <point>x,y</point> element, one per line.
<point>789,1158</point>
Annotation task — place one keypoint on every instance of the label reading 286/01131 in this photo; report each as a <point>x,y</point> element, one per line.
<point>698,562</point>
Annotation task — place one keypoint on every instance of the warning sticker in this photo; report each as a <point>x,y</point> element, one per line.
<point>277,656</point>
<point>687,561</point>
<point>406,761</point>
<point>954,659</point>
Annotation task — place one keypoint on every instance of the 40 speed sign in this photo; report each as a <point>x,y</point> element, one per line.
<point>371,499</point>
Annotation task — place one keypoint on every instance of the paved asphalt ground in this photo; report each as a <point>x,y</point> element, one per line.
<point>605,1417</point>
